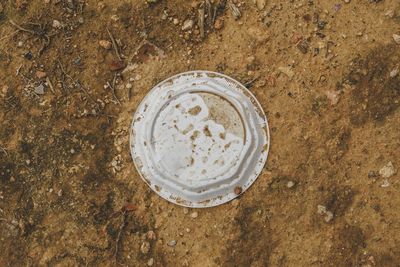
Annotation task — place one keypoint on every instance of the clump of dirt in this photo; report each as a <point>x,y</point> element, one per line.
<point>376,92</point>
<point>349,242</point>
<point>252,245</point>
<point>339,200</point>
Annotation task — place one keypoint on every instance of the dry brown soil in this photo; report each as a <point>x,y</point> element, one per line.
<point>321,72</point>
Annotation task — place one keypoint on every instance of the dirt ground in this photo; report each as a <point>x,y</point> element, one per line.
<point>72,72</point>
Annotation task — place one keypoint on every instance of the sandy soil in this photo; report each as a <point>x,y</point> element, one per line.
<point>324,71</point>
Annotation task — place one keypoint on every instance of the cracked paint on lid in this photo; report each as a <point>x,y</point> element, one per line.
<point>199,139</point>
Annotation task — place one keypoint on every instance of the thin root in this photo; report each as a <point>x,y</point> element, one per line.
<point>113,89</point>
<point>114,43</point>
<point>4,150</point>
<point>118,240</point>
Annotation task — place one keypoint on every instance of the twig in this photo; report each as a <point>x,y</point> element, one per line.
<point>9,35</point>
<point>129,93</point>
<point>159,51</point>
<point>118,240</point>
<point>87,93</point>
<point>209,16</point>
<point>4,150</point>
<point>50,85</point>
<point>45,45</point>
<point>66,75</point>
<point>201,22</point>
<point>21,28</point>
<point>40,34</point>
<point>113,89</point>
<point>250,83</point>
<point>114,45</point>
<point>234,10</point>
<point>18,70</point>
<point>63,71</point>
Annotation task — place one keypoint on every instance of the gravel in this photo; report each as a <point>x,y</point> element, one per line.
<point>396,38</point>
<point>187,25</point>
<point>290,184</point>
<point>385,183</point>
<point>388,170</point>
<point>394,73</point>
<point>172,243</point>
<point>105,44</point>
<point>39,89</point>
<point>150,262</point>
<point>321,209</point>
<point>328,215</point>
<point>145,247</point>
<point>56,24</point>
<point>151,235</point>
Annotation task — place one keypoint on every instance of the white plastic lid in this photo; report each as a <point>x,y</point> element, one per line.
<point>199,139</point>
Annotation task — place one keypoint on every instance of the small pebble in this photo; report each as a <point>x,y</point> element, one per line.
<point>321,209</point>
<point>347,1</point>
<point>187,25</point>
<point>328,216</point>
<point>290,184</point>
<point>128,86</point>
<point>41,74</point>
<point>219,23</point>
<point>385,183</point>
<point>394,73</point>
<point>176,21</point>
<point>194,215</point>
<point>145,247</point>
<point>172,243</point>
<point>150,262</point>
<point>389,14</point>
<point>388,170</point>
<point>105,44</point>
<point>185,211</point>
<point>56,24</point>
<point>396,38</point>
<point>164,16</point>
<point>151,235</point>
<point>39,89</point>
<point>260,4</point>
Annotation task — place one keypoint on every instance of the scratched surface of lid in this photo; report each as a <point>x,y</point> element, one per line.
<point>199,139</point>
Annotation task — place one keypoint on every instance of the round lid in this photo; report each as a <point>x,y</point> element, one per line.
<point>199,139</point>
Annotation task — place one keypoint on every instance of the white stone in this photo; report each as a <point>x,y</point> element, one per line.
<point>396,38</point>
<point>187,25</point>
<point>388,170</point>
<point>57,24</point>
